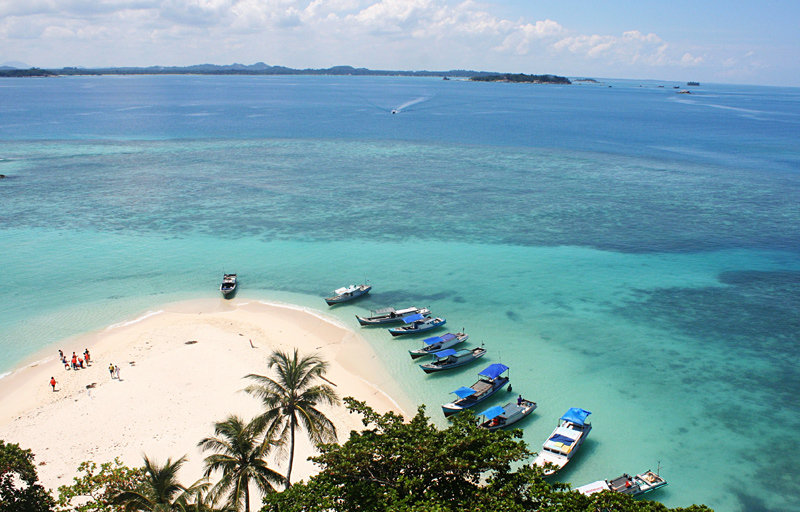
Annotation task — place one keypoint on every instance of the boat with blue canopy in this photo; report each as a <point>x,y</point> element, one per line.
<point>348,293</point>
<point>497,417</point>
<point>491,381</point>
<point>450,358</point>
<point>417,323</point>
<point>565,440</point>
<point>437,343</point>
<point>390,315</point>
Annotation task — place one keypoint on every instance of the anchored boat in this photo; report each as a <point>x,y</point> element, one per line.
<point>437,343</point>
<point>626,484</point>
<point>390,315</point>
<point>417,323</point>
<point>449,358</point>
<point>228,285</point>
<point>492,380</point>
<point>498,417</point>
<point>348,293</point>
<point>565,440</point>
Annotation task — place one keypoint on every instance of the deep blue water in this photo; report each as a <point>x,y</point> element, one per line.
<point>625,249</point>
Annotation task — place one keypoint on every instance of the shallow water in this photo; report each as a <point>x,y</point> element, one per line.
<point>622,249</point>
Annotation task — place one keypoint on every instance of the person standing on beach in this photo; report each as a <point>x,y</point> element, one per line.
<point>111,370</point>
<point>53,383</point>
<point>87,356</point>
<point>116,371</point>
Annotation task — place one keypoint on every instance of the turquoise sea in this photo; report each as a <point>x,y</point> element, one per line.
<point>623,248</point>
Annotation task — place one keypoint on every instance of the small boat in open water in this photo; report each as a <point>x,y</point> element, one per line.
<point>450,358</point>
<point>228,285</point>
<point>498,417</point>
<point>390,315</point>
<point>437,343</point>
<point>418,323</point>
<point>565,440</point>
<point>491,382</point>
<point>626,484</point>
<point>348,293</point>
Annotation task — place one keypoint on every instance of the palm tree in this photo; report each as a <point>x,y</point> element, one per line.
<point>291,399</point>
<point>239,453</point>
<point>161,491</point>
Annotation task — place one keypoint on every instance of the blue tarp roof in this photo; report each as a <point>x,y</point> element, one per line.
<point>433,339</point>
<point>493,412</point>
<point>445,353</point>
<point>576,415</point>
<point>448,336</point>
<point>494,370</point>
<point>464,392</point>
<point>412,318</point>
<point>558,438</point>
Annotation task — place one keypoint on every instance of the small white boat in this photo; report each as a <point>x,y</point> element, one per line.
<point>436,343</point>
<point>348,293</point>
<point>228,285</point>
<point>565,440</point>
<point>498,417</point>
<point>626,484</point>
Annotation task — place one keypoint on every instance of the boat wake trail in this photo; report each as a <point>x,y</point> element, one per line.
<point>410,103</point>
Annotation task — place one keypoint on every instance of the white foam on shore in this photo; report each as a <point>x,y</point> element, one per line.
<point>385,395</point>
<point>333,321</point>
<point>32,364</point>
<point>135,320</point>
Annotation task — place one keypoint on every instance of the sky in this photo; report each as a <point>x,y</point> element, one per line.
<point>729,41</point>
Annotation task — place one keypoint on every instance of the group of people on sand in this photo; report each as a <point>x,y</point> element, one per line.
<point>77,362</point>
<point>114,371</point>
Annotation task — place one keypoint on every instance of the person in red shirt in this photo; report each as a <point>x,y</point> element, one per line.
<point>53,383</point>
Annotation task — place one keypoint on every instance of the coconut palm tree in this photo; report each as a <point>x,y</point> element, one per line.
<point>239,453</point>
<point>161,491</point>
<point>291,399</point>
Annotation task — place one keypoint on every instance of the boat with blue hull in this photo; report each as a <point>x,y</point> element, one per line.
<point>565,440</point>
<point>348,293</point>
<point>437,343</point>
<point>450,358</point>
<point>492,380</point>
<point>390,315</point>
<point>415,324</point>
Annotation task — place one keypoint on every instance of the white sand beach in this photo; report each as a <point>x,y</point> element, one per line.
<point>170,391</point>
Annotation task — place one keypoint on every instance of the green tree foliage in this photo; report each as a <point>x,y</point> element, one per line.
<point>160,490</point>
<point>416,467</point>
<point>522,77</point>
<point>19,490</point>
<point>290,400</point>
<point>94,489</point>
<point>239,453</point>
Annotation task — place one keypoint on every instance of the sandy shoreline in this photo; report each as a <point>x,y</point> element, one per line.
<point>170,393</point>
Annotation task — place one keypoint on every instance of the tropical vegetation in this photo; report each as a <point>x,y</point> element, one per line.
<point>291,401</point>
<point>239,456</point>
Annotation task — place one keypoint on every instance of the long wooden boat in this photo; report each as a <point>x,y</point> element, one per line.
<point>228,285</point>
<point>450,358</point>
<point>348,293</point>
<point>437,343</point>
<point>626,484</point>
<point>390,315</point>
<point>415,324</point>
<point>498,417</point>
<point>565,440</point>
<point>492,380</point>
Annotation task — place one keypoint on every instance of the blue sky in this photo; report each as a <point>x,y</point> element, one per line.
<point>679,40</point>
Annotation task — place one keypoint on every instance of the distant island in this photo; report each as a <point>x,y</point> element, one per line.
<point>522,78</point>
<point>264,69</point>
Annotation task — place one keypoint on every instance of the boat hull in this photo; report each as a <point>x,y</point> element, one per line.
<point>399,331</point>
<point>460,405</point>
<point>527,408</point>
<point>430,349</point>
<point>338,299</point>
<point>389,319</point>
<point>431,368</point>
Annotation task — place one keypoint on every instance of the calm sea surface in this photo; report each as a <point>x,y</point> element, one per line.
<point>623,248</point>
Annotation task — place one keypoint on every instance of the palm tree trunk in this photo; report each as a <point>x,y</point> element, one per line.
<point>247,497</point>
<point>291,455</point>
